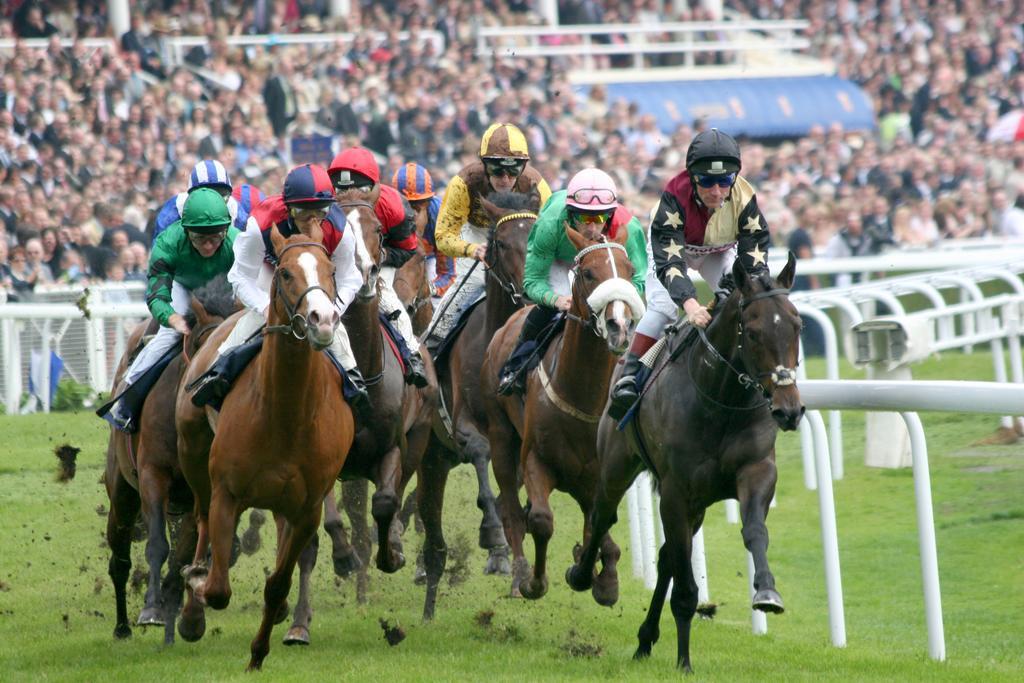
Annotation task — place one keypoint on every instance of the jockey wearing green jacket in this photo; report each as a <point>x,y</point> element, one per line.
<point>590,205</point>
<point>187,255</point>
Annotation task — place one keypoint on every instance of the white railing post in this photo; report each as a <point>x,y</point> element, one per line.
<point>829,534</point>
<point>12,365</point>
<point>636,546</point>
<point>96,345</point>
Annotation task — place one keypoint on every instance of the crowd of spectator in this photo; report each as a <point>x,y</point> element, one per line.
<point>94,140</point>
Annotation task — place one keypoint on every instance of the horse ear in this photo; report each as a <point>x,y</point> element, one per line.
<point>535,198</point>
<point>621,236</point>
<point>314,233</point>
<point>202,317</point>
<point>788,273</point>
<point>277,239</point>
<point>577,238</point>
<point>740,276</point>
<point>491,209</point>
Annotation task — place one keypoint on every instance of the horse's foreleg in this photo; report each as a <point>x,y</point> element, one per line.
<point>505,462</point>
<point>154,488</point>
<point>384,508</point>
<point>353,496</point>
<point>124,508</point>
<point>275,592</point>
<point>343,555</point>
<point>618,470</point>
<point>431,483</point>
<point>755,486</point>
<point>650,629</point>
<point>540,520</point>
<point>173,584</point>
<point>298,634</point>
<point>223,517</point>
<point>606,584</point>
<point>678,544</point>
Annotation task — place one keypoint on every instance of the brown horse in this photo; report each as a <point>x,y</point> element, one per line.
<point>459,433</point>
<point>142,472</point>
<point>706,430</point>
<point>547,439</point>
<point>281,439</point>
<point>413,289</point>
<point>388,449</point>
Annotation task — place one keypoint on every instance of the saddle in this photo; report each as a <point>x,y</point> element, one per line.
<point>444,347</point>
<point>134,396</point>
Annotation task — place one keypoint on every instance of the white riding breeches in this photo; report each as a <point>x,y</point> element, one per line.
<point>250,323</point>
<point>163,341</point>
<point>389,303</point>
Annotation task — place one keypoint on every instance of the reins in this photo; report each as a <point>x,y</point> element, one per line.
<point>298,324</point>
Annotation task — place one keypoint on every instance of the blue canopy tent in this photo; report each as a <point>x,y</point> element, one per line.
<point>754,107</point>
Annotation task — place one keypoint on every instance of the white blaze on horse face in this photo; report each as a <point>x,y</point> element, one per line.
<point>363,259</point>
<point>316,300</point>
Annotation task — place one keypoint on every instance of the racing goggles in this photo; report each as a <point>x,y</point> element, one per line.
<point>308,214</point>
<point>591,218</point>
<point>199,239</point>
<point>589,195</point>
<point>504,168</point>
<point>709,181</point>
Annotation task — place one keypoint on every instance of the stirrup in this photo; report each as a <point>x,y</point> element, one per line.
<point>415,371</point>
<point>510,384</point>
<point>210,389</point>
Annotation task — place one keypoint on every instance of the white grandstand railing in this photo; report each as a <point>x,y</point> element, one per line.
<point>749,36</point>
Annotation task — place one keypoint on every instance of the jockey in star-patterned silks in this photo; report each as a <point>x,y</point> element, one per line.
<point>706,219</point>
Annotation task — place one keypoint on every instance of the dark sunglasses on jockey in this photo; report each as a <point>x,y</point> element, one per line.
<point>198,238</point>
<point>709,181</point>
<point>508,167</point>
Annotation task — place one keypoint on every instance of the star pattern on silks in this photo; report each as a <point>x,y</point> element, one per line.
<point>758,255</point>
<point>753,225</point>
<point>674,250</point>
<point>672,219</point>
<point>673,273</point>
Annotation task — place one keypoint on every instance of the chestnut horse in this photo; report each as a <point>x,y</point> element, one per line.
<point>547,439</point>
<point>459,433</point>
<point>281,439</point>
<point>706,430</point>
<point>142,472</point>
<point>388,449</point>
<point>411,286</point>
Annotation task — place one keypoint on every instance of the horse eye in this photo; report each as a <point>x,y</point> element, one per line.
<point>499,243</point>
<point>588,274</point>
<point>285,275</point>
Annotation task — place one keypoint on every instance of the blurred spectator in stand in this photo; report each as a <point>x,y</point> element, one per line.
<point>35,254</point>
<point>1007,219</point>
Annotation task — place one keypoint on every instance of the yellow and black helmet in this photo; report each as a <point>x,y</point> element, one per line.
<point>504,141</point>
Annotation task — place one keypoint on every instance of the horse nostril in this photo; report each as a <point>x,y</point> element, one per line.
<point>314,318</point>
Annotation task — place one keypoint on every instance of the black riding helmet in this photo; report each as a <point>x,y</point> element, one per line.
<point>713,152</point>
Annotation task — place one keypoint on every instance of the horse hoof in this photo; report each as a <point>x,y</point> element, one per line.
<point>767,600</point>
<point>497,562</point>
<point>420,577</point>
<point>122,631</point>
<point>606,593</point>
<point>193,628</point>
<point>151,616</point>
<point>578,580</point>
<point>297,635</point>
<point>534,589</point>
<point>346,565</point>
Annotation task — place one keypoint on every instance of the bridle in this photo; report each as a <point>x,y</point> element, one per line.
<point>504,280</point>
<point>298,325</point>
<point>591,323</point>
<point>780,376</point>
<point>367,205</point>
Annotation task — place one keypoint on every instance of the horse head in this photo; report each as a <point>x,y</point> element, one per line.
<point>513,214</point>
<point>210,305</point>
<point>362,220</point>
<point>602,288</point>
<point>769,328</point>
<point>302,297</point>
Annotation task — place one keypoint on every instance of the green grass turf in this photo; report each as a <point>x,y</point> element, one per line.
<point>57,606</point>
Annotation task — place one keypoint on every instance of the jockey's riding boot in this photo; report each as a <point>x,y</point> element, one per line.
<point>357,396</point>
<point>213,385</point>
<point>121,419</point>
<point>625,392</point>
<point>512,379</point>
<point>415,371</point>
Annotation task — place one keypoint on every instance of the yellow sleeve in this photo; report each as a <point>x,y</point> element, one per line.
<point>544,190</point>
<point>453,215</point>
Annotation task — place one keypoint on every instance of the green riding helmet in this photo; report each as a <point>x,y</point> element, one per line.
<point>205,212</point>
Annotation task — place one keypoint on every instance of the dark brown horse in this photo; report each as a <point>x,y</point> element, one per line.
<point>281,439</point>
<point>547,439</point>
<point>388,449</point>
<point>142,472</point>
<point>459,434</point>
<point>413,289</point>
<point>706,430</point>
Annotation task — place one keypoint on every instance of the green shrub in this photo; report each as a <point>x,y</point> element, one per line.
<point>72,395</point>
